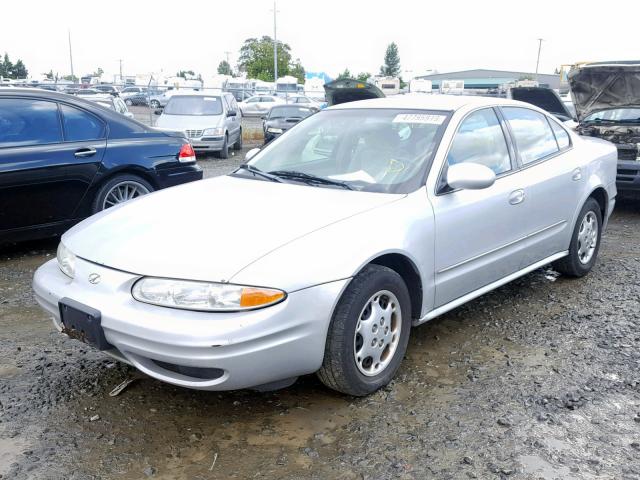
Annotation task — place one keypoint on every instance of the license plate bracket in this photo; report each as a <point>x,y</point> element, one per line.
<point>84,323</point>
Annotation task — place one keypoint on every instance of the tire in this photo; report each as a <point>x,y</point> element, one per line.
<point>581,258</point>
<point>224,152</point>
<point>102,199</point>
<point>128,102</point>
<point>345,367</point>
<point>238,144</point>
<point>154,104</point>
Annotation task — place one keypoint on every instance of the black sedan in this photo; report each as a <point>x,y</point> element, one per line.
<point>281,118</point>
<point>63,158</point>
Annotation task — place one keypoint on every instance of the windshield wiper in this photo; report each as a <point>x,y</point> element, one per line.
<point>257,172</point>
<point>308,178</point>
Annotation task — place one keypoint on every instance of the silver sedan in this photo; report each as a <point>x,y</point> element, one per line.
<point>332,242</point>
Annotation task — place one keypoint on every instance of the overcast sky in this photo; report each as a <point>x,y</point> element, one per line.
<point>327,35</point>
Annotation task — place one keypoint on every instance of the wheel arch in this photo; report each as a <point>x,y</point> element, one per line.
<point>600,195</point>
<point>409,272</point>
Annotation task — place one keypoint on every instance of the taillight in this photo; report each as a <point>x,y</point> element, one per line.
<point>187,154</point>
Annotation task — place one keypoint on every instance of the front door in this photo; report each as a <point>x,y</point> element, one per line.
<point>478,233</point>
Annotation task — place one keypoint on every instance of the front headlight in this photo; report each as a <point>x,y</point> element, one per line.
<point>274,130</point>
<point>66,260</point>
<point>213,132</point>
<point>207,296</point>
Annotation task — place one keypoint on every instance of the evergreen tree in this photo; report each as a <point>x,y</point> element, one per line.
<point>391,67</point>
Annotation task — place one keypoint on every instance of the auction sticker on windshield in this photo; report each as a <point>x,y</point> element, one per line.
<point>419,118</point>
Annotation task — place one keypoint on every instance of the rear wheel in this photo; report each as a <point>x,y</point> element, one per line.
<point>128,102</point>
<point>585,242</point>
<point>224,151</point>
<point>238,144</point>
<point>368,334</point>
<point>120,189</point>
<point>154,104</point>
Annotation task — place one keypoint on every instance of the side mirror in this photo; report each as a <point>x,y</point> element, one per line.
<point>250,154</point>
<point>231,113</point>
<point>470,176</point>
<point>128,114</point>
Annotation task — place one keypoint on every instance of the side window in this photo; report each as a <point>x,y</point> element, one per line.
<point>532,133</point>
<point>80,125</point>
<point>303,100</point>
<point>266,99</point>
<point>480,139</point>
<point>562,137</point>
<point>28,122</point>
<point>253,100</point>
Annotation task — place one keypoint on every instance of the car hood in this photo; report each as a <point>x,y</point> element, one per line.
<point>602,86</point>
<point>188,122</point>
<point>350,90</point>
<point>211,229</point>
<point>544,98</point>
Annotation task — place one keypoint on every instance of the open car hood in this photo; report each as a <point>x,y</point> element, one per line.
<point>544,98</point>
<point>350,90</point>
<point>600,86</point>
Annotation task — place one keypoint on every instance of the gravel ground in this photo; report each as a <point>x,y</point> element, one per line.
<point>538,379</point>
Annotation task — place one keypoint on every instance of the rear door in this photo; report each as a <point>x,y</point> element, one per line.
<point>554,177</point>
<point>233,121</point>
<point>47,160</point>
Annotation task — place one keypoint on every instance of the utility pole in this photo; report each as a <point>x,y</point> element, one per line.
<point>121,81</point>
<point>275,44</point>
<point>538,61</point>
<point>71,57</point>
<point>227,54</point>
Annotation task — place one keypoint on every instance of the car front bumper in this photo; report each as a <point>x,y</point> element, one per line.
<point>201,350</point>
<point>628,176</point>
<point>207,144</point>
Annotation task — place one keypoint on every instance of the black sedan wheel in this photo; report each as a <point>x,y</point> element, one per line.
<point>120,189</point>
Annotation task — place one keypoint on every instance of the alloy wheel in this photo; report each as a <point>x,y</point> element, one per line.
<point>587,237</point>
<point>123,191</point>
<point>377,333</point>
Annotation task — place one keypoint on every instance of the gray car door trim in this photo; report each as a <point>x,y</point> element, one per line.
<point>506,245</point>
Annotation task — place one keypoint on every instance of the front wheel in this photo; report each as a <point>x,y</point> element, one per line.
<point>154,104</point>
<point>238,144</point>
<point>128,102</point>
<point>585,242</point>
<point>368,334</point>
<point>224,151</point>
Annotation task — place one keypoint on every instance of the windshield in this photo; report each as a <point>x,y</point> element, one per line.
<point>193,105</point>
<point>287,112</point>
<point>626,115</point>
<point>375,150</point>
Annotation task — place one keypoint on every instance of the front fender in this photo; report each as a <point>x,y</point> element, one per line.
<point>342,249</point>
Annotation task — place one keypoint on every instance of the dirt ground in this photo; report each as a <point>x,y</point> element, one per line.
<point>539,379</point>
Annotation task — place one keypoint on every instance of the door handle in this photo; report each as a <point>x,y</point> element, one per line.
<point>576,175</point>
<point>516,197</point>
<point>85,152</point>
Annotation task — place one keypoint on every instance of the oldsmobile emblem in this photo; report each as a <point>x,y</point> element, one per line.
<point>94,278</point>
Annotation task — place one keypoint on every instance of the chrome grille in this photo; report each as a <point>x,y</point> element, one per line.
<point>194,133</point>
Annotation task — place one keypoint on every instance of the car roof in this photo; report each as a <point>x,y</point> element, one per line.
<point>428,102</point>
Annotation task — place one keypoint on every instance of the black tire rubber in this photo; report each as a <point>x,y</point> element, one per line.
<point>571,264</point>
<point>109,184</point>
<point>339,370</point>
<point>238,144</point>
<point>224,152</point>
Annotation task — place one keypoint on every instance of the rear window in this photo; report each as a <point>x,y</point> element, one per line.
<point>532,133</point>
<point>80,125</point>
<point>28,122</point>
<point>196,105</point>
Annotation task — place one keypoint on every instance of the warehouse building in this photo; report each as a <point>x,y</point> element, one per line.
<point>482,79</point>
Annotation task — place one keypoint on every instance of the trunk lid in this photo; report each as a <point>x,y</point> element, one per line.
<point>350,90</point>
